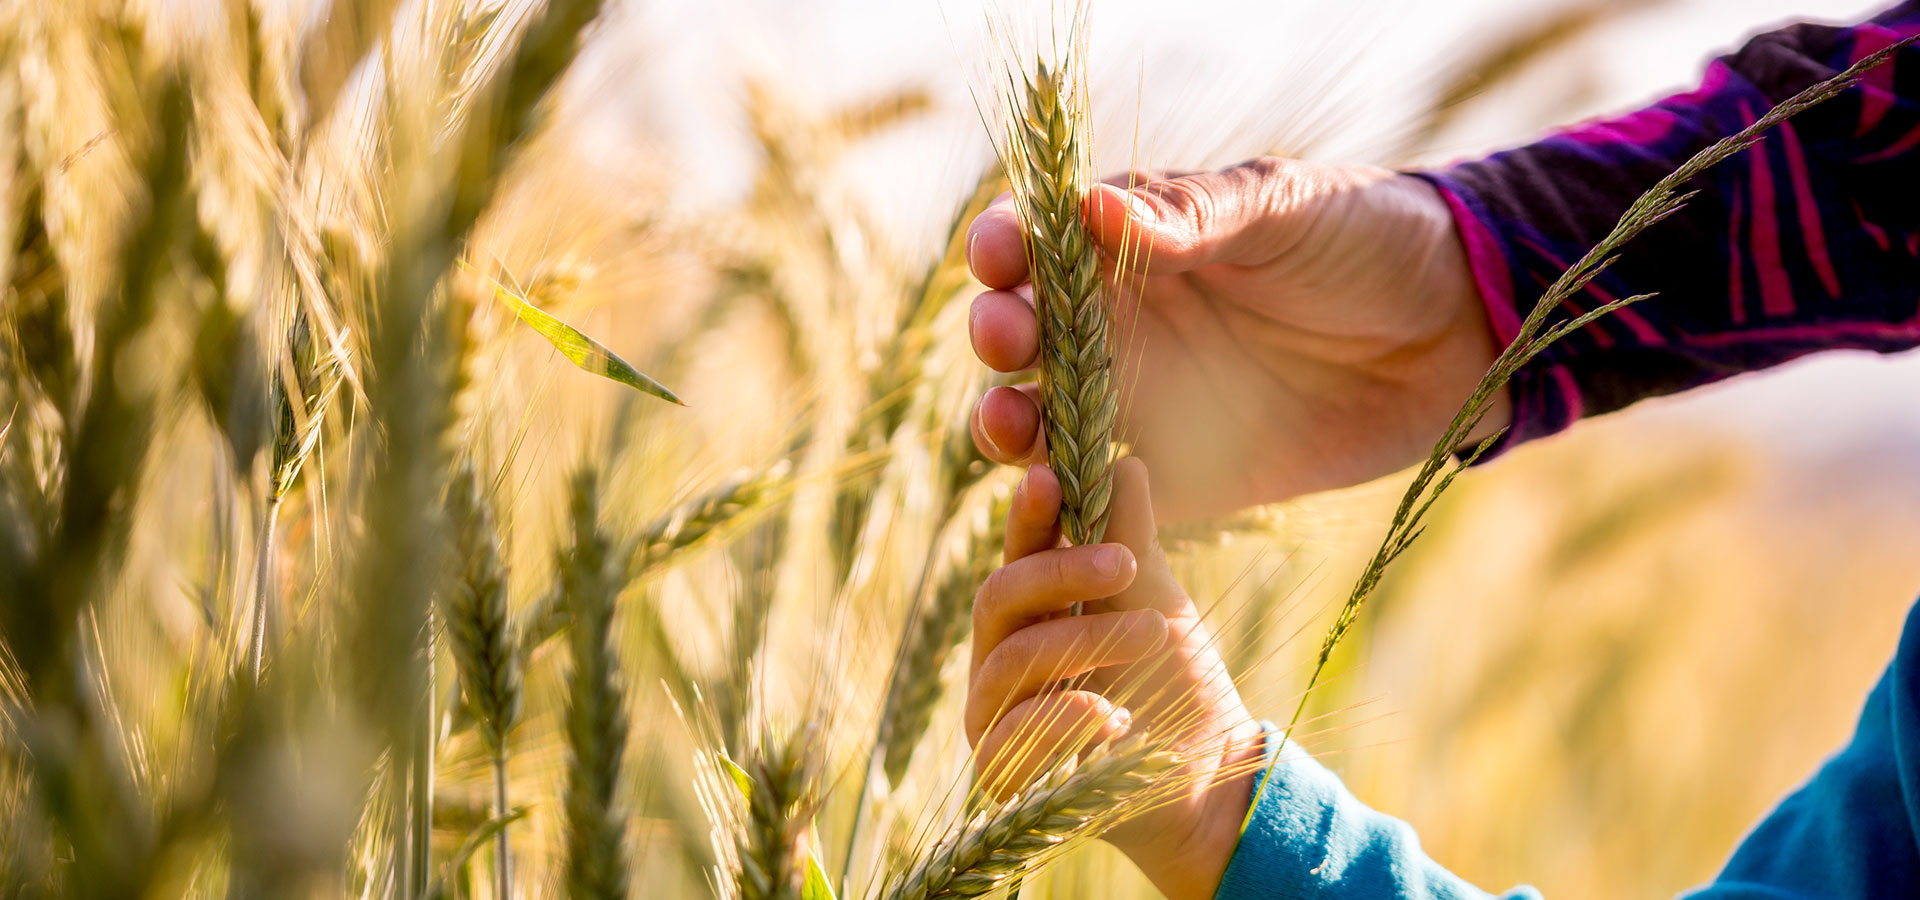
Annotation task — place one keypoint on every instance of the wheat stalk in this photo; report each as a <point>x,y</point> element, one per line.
<point>81,780</point>
<point>938,627</point>
<point>415,362</point>
<point>1665,198</point>
<point>596,709</point>
<point>1049,163</point>
<point>691,524</point>
<point>485,654</point>
<point>996,846</point>
<point>301,397</point>
<point>940,622</point>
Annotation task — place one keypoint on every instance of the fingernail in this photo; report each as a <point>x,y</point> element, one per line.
<point>1107,561</point>
<point>1121,719</point>
<point>980,419</point>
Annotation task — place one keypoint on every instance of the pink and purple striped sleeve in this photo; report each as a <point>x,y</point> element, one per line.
<point>1808,241</point>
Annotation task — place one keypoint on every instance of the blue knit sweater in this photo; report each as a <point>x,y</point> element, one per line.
<point>1850,833</point>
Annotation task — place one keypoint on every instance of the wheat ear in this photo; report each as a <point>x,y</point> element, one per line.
<point>301,398</point>
<point>781,798</point>
<point>1048,160</point>
<point>999,845</point>
<point>596,708</point>
<point>485,654</point>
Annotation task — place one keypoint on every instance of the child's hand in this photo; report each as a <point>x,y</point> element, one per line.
<point>1140,657</point>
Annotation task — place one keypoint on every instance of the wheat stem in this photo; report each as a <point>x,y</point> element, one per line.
<point>757,558</point>
<point>502,845</point>
<point>262,589</point>
<point>939,627</point>
<point>939,624</point>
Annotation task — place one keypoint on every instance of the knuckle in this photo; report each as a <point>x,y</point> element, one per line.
<point>1192,202</point>
<point>1265,166</point>
<point>1062,566</point>
<point>988,601</point>
<point>1004,663</point>
<point>976,717</point>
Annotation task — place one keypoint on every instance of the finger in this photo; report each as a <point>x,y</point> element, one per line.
<point>1033,588</point>
<point>1004,331</point>
<point>1039,656</point>
<point>1039,732</point>
<point>995,251</point>
<point>1130,523</point>
<point>1133,178</point>
<point>1244,215</point>
<point>1033,515</point>
<point>1006,425</point>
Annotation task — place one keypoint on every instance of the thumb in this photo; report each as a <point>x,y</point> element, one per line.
<point>1130,522</point>
<point>1244,215</point>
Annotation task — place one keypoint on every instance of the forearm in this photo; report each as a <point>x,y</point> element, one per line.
<point>1809,241</point>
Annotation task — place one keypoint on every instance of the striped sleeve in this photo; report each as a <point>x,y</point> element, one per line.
<point>1808,241</point>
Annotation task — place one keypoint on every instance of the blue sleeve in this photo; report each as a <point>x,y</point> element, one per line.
<point>1308,837</point>
<point>1848,834</point>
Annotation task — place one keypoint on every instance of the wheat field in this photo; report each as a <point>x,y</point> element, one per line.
<point>404,496</point>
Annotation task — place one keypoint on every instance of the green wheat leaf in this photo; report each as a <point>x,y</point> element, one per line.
<point>741,779</point>
<point>590,355</point>
<point>587,353</point>
<point>816,886</point>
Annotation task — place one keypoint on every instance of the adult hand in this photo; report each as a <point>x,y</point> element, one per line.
<point>1289,327</point>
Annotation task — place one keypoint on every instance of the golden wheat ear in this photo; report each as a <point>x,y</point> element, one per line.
<point>1047,152</point>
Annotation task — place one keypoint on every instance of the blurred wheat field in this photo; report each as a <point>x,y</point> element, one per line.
<point>1644,621</point>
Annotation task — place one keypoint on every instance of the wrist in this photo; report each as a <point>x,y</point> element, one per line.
<point>1188,859</point>
<point>1471,330</point>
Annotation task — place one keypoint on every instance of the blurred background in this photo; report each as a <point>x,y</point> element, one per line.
<point>1613,650</point>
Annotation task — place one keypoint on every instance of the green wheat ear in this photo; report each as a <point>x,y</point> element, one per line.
<point>989,851</point>
<point>1048,160</point>
<point>596,720</point>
